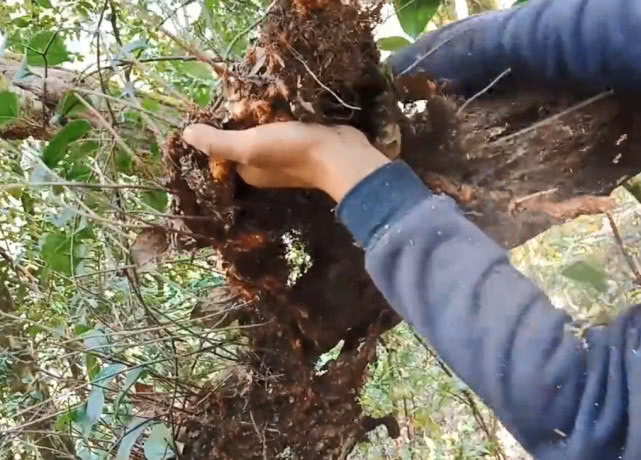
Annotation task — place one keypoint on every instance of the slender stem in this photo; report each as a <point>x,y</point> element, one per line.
<point>81,185</point>
<point>628,258</point>
<point>484,90</point>
<point>251,27</point>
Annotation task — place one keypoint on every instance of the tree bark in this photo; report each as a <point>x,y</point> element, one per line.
<point>31,93</point>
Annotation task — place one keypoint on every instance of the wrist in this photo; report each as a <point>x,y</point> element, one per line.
<point>342,171</point>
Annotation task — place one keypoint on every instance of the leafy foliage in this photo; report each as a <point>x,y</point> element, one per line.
<point>584,272</point>
<point>57,148</point>
<point>58,252</point>
<point>392,43</point>
<point>46,48</point>
<point>415,14</point>
<point>130,436</point>
<point>9,107</point>
<point>159,444</point>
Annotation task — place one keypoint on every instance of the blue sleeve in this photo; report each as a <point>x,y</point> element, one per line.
<point>592,43</point>
<point>560,395</point>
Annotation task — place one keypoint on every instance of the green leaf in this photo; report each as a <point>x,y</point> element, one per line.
<point>44,3</point>
<point>633,186</point>
<point>85,454</point>
<point>414,15</point>
<point>131,434</point>
<point>92,365</point>
<point>82,420</point>
<point>28,203</point>
<point>78,172</point>
<point>61,218</point>
<point>95,339</point>
<point>108,374</point>
<point>57,148</point>
<point>70,105</point>
<point>65,419</point>
<point>156,199</point>
<point>202,96</point>
<point>49,44</point>
<point>95,404</point>
<point>587,274</point>
<point>23,71</point>
<point>80,150</point>
<point>150,104</point>
<point>392,43</point>
<point>9,109</point>
<point>123,161</point>
<point>96,401</point>
<point>129,48</point>
<point>22,21</point>
<point>197,69</point>
<point>55,250</point>
<point>132,377</point>
<point>158,444</point>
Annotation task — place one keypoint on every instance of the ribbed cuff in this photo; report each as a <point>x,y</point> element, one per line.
<point>380,199</point>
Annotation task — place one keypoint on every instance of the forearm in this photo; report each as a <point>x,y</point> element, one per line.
<point>593,43</point>
<point>490,324</point>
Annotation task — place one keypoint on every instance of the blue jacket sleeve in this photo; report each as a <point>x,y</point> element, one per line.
<point>561,396</point>
<point>593,43</point>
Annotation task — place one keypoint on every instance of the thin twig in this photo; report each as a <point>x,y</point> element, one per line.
<point>107,126</point>
<point>114,23</point>
<point>324,86</point>
<point>33,282</point>
<point>16,429</point>
<point>44,81</point>
<point>249,29</point>
<point>549,120</point>
<point>531,196</point>
<point>103,85</point>
<point>173,123</point>
<point>81,185</point>
<point>398,10</point>
<point>173,13</point>
<point>484,90</point>
<point>430,52</point>
<point>466,395</point>
<point>261,436</point>
<point>160,59</point>
<point>628,258</point>
<point>219,68</point>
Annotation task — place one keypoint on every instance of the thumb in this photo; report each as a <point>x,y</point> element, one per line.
<point>224,145</point>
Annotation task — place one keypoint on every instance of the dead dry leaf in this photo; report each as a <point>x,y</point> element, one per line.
<point>571,208</point>
<point>149,245</point>
<point>261,58</point>
<point>304,104</point>
<point>415,87</point>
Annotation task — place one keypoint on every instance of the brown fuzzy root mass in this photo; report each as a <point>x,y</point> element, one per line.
<point>313,61</point>
<point>316,60</point>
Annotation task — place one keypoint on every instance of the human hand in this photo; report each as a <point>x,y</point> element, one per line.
<point>293,154</point>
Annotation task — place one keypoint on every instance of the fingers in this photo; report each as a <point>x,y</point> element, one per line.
<point>273,145</point>
<point>216,142</point>
<point>263,178</point>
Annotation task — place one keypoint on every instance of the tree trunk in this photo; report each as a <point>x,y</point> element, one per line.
<point>31,94</point>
